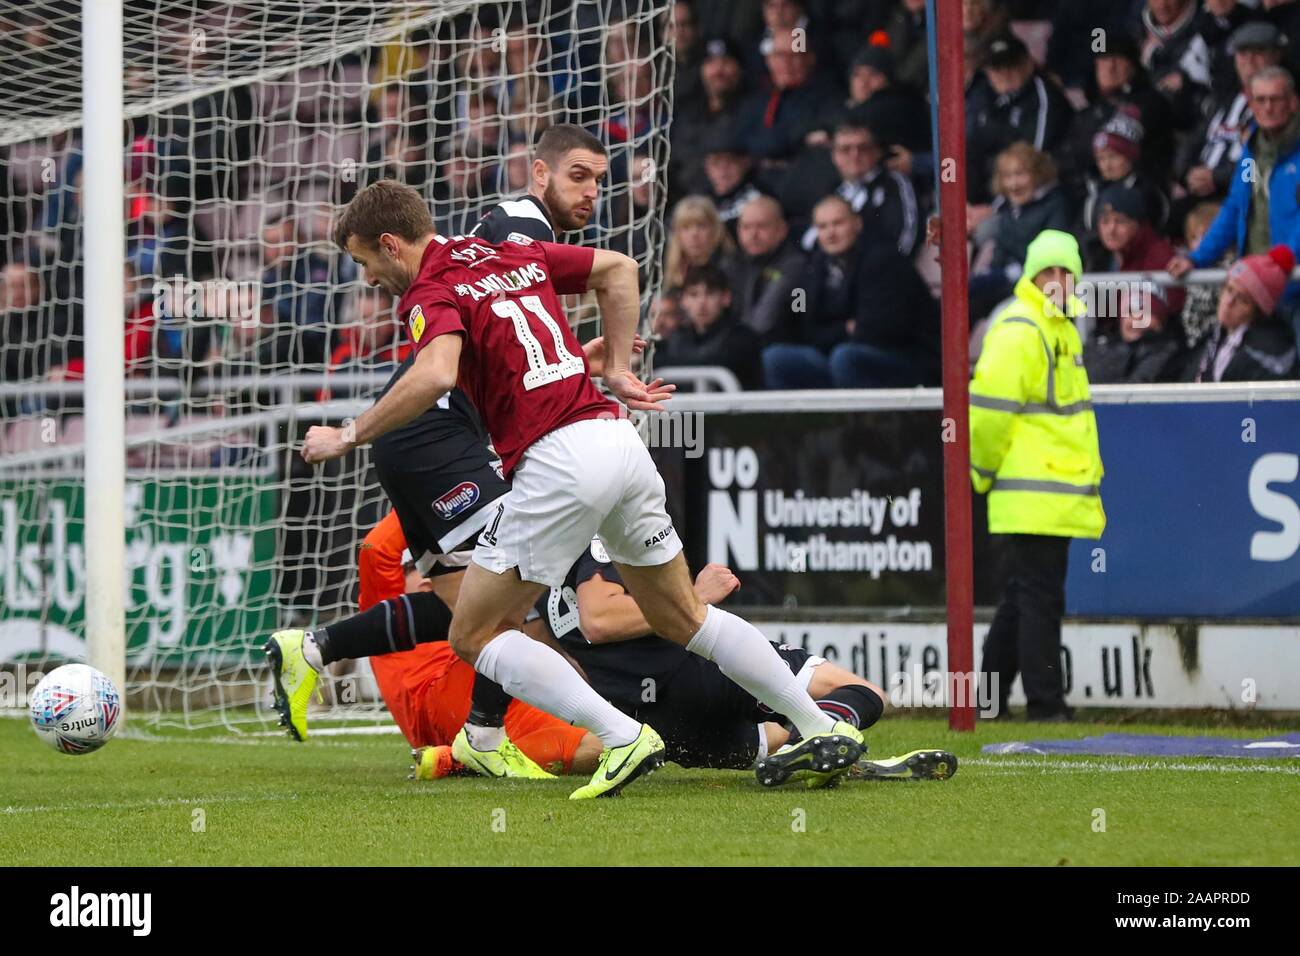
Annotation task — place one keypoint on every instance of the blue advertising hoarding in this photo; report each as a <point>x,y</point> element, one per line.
<point>1203,513</point>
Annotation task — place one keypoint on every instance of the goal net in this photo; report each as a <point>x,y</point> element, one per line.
<point>249,125</point>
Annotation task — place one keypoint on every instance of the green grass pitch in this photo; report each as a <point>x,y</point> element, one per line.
<point>205,799</point>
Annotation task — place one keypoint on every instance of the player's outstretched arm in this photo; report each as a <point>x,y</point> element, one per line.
<point>432,376</point>
<point>614,280</point>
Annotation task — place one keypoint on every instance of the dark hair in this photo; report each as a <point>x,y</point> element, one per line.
<point>384,206</point>
<point>555,141</point>
<point>710,276</point>
<point>853,124</point>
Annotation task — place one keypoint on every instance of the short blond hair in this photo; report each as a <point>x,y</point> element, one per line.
<point>1040,165</point>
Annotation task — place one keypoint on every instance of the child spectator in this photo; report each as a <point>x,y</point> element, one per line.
<point>1141,349</point>
<point>711,335</point>
<point>1116,152</point>
<point>1201,309</point>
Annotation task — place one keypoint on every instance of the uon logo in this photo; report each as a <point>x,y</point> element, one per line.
<point>456,500</point>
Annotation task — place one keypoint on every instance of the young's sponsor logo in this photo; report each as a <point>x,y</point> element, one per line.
<point>456,501</point>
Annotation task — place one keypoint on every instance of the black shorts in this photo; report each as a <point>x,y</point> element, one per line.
<point>708,720</point>
<point>442,513</point>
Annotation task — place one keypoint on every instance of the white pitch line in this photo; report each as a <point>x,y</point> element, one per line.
<point>1146,766</point>
<point>160,802</point>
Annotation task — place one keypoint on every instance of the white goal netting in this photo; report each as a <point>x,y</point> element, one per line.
<point>249,125</point>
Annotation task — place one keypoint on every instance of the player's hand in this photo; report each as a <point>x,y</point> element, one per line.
<point>637,395</point>
<point>715,582</point>
<point>595,352</point>
<point>324,443</point>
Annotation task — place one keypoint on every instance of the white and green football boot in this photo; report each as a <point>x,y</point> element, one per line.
<point>819,761</point>
<point>916,765</point>
<point>294,680</point>
<point>619,766</point>
<point>506,760</point>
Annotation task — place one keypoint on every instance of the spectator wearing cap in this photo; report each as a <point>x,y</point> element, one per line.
<point>718,104</point>
<point>1210,156</point>
<point>1125,240</point>
<point>1071,49</point>
<point>1249,343</point>
<point>731,175</point>
<point>982,22</point>
<point>1016,103</point>
<point>883,198</point>
<point>1029,200</point>
<point>1262,207</point>
<point>1216,22</point>
<point>1117,154</point>
<point>898,114</point>
<point>764,269</point>
<point>1176,56</point>
<point>1116,80</point>
<point>907,40</point>
<point>775,121</point>
<point>710,334</point>
<point>1141,348</point>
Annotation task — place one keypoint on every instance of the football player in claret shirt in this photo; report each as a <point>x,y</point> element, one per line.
<point>489,317</point>
<point>442,477</point>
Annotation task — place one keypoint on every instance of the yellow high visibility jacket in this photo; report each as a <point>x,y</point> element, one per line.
<point>1033,435</point>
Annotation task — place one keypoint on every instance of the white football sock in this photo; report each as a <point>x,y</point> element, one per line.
<point>537,675</point>
<point>311,652</point>
<point>484,738</point>
<point>742,653</point>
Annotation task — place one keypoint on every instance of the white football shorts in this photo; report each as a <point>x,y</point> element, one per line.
<point>591,478</point>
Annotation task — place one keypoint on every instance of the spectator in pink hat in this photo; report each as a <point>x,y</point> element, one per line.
<point>1249,344</point>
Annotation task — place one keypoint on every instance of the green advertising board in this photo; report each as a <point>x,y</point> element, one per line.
<point>200,567</point>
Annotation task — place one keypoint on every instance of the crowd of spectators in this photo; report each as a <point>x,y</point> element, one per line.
<point>1165,134</point>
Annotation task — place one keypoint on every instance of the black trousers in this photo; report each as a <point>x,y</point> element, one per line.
<point>1026,632</point>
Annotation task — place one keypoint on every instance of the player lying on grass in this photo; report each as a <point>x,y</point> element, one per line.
<point>426,687</point>
<point>484,316</point>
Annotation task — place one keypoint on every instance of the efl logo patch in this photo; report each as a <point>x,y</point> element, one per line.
<point>455,501</point>
<point>520,238</point>
<point>416,321</point>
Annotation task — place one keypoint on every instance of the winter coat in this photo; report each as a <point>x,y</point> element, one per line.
<point>1267,353</point>
<point>726,342</point>
<point>1229,229</point>
<point>1110,360</point>
<point>1038,113</point>
<point>761,288</point>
